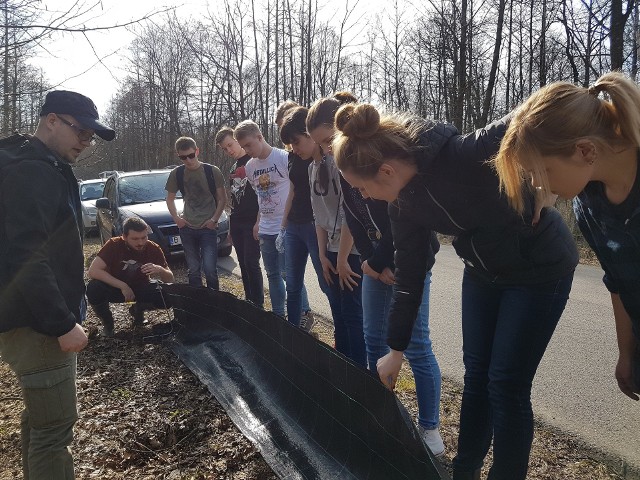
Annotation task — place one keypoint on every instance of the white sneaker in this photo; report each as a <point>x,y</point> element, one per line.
<point>433,440</point>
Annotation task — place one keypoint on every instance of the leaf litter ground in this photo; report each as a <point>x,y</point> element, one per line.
<point>144,415</point>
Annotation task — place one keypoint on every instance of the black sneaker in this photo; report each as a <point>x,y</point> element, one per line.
<point>307,321</point>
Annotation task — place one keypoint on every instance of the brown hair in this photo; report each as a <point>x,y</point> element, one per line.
<point>223,133</point>
<point>294,124</point>
<point>185,143</point>
<point>553,118</point>
<point>246,128</point>
<point>366,139</point>
<point>134,223</point>
<point>323,111</point>
<point>283,109</point>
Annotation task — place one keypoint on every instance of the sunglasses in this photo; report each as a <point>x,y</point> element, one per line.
<point>82,134</point>
<point>189,156</point>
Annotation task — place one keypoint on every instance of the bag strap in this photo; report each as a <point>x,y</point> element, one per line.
<point>180,178</point>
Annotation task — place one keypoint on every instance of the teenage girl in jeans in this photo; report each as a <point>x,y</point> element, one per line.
<point>369,223</point>
<point>339,259</point>
<point>517,276</point>
<point>569,141</point>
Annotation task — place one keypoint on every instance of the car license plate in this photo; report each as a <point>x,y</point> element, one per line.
<point>175,240</point>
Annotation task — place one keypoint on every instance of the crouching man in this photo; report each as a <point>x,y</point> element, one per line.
<point>121,273</point>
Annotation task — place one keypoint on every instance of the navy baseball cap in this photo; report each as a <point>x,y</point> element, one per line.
<point>80,107</point>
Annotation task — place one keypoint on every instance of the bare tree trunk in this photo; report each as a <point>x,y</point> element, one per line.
<point>618,23</point>
<point>461,69</point>
<point>494,64</point>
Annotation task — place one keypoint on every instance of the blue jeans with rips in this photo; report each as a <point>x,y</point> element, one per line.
<point>377,298</point>
<point>346,309</point>
<point>47,377</point>
<point>201,252</point>
<point>301,242</point>
<point>505,332</point>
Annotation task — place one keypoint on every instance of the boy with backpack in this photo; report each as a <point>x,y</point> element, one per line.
<point>203,191</point>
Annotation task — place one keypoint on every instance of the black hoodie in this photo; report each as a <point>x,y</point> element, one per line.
<point>456,192</point>
<point>41,258</point>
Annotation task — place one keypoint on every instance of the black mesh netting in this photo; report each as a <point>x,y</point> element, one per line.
<point>310,411</point>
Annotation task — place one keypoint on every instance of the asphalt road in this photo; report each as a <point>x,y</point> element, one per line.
<point>574,389</point>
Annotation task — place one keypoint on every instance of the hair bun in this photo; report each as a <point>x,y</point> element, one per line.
<point>345,97</point>
<point>358,121</point>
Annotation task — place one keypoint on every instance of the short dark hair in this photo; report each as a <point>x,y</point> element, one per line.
<point>294,124</point>
<point>185,143</point>
<point>222,134</point>
<point>134,223</point>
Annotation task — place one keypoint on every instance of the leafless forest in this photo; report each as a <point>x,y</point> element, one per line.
<point>464,61</point>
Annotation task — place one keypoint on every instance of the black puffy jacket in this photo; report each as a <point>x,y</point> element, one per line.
<point>41,258</point>
<point>456,192</point>
<point>370,225</point>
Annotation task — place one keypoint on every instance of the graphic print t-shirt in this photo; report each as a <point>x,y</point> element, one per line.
<point>124,263</point>
<point>270,180</point>
<point>244,203</point>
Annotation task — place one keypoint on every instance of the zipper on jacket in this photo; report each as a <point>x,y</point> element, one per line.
<point>372,220</point>
<point>443,209</point>
<point>344,204</point>
<point>473,247</point>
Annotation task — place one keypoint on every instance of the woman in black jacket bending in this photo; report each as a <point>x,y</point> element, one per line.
<point>518,268</point>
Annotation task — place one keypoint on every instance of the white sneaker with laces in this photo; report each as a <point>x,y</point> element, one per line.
<point>433,440</point>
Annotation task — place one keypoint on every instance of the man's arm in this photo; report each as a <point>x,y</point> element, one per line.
<point>165,274</point>
<point>171,205</point>
<point>98,271</point>
<point>221,203</point>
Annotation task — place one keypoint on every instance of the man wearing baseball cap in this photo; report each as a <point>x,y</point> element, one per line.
<point>42,299</point>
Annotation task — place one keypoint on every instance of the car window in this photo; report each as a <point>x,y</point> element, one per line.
<point>143,188</point>
<point>91,191</point>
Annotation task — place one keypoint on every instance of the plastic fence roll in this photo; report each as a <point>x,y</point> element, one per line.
<point>311,412</point>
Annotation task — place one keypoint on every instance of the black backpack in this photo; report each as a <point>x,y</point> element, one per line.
<point>208,173</point>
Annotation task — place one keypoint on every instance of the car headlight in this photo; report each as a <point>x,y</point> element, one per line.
<point>91,211</point>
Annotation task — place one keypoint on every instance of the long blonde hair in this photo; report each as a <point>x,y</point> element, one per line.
<point>553,118</point>
<point>367,139</point>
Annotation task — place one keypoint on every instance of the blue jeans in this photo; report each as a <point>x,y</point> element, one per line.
<point>47,377</point>
<point>505,332</point>
<point>201,251</point>
<point>300,243</point>
<point>274,265</point>
<point>346,309</point>
<point>376,302</point>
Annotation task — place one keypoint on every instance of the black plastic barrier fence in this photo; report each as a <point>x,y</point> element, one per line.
<point>311,412</point>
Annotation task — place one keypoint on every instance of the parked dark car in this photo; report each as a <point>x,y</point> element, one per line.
<point>142,194</point>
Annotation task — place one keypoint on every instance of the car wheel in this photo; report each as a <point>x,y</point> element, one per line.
<point>225,252</point>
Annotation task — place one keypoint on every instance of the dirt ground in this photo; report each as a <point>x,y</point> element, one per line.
<point>143,415</point>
